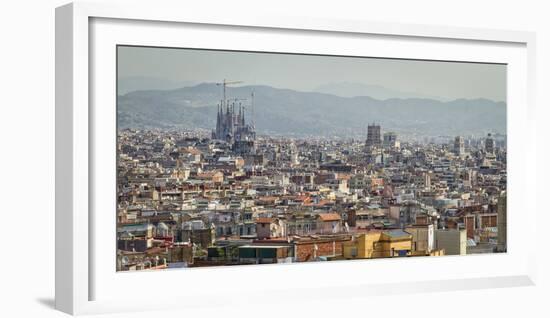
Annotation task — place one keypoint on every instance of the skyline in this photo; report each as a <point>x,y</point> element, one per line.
<point>289,112</point>
<point>169,68</point>
<point>255,174</point>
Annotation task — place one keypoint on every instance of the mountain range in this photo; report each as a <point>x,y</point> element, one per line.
<point>290,112</point>
<point>137,83</point>
<point>351,89</point>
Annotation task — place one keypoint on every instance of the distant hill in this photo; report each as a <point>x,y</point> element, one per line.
<point>138,83</point>
<point>347,89</point>
<point>289,112</point>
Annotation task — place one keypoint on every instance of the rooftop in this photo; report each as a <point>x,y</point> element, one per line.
<point>327,217</point>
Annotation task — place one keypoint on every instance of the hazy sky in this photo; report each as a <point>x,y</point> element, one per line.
<point>449,80</point>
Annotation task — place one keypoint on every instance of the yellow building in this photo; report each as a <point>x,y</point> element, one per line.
<point>377,244</point>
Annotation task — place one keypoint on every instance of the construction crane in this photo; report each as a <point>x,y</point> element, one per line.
<point>224,85</point>
<point>252,106</point>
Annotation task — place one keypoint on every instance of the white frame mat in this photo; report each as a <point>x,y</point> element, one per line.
<point>86,39</point>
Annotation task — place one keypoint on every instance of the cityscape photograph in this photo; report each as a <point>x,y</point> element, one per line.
<point>242,158</point>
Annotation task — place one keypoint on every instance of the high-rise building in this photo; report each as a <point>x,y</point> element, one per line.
<point>373,136</point>
<point>390,140</point>
<point>427,180</point>
<point>501,223</point>
<point>459,146</point>
<point>489,144</point>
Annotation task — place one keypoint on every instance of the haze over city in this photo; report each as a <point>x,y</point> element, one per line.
<point>297,95</point>
<point>231,158</point>
<point>170,68</point>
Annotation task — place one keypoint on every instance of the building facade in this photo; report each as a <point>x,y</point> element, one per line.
<point>232,127</point>
<point>459,146</point>
<point>373,136</point>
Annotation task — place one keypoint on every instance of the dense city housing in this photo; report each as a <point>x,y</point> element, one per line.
<point>230,196</point>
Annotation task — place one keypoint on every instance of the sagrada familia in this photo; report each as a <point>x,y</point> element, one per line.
<point>231,126</point>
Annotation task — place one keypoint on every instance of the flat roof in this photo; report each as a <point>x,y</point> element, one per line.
<point>263,246</point>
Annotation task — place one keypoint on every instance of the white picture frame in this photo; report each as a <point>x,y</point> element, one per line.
<point>80,63</point>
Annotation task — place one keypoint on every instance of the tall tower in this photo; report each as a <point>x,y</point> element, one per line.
<point>489,144</point>
<point>373,136</point>
<point>459,146</point>
<point>227,118</point>
<point>501,223</point>
<point>232,128</point>
<point>242,116</point>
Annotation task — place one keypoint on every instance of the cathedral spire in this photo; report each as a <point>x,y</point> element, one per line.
<point>218,119</point>
<point>240,114</point>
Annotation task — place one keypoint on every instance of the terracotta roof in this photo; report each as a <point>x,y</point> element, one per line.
<point>192,151</point>
<point>325,217</point>
<point>155,250</point>
<point>208,174</point>
<point>321,203</point>
<point>296,197</point>
<point>264,220</point>
<point>343,177</point>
